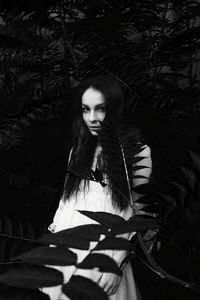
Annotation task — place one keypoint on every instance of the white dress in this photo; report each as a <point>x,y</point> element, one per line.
<point>95,198</point>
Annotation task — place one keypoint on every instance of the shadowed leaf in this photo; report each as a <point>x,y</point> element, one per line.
<point>113,243</point>
<point>146,188</point>
<point>147,199</point>
<point>104,218</point>
<point>65,240</point>
<point>83,288</point>
<point>195,157</point>
<point>137,223</point>
<point>29,276</point>
<point>76,237</point>
<point>49,255</point>
<point>154,209</point>
<point>182,192</point>
<point>101,261</point>
<point>189,176</point>
<point>170,199</point>
<point>136,168</point>
<point>19,294</point>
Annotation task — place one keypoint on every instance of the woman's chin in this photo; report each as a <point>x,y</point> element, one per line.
<point>94,132</point>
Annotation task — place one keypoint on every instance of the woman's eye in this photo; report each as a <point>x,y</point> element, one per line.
<point>102,109</point>
<point>84,109</point>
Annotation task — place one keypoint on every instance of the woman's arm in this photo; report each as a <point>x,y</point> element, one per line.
<point>52,226</point>
<point>61,205</point>
<point>146,172</point>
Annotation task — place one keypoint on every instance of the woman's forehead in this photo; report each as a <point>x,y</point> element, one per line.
<point>92,97</point>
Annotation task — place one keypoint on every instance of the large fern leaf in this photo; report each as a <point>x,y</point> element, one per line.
<point>120,149</point>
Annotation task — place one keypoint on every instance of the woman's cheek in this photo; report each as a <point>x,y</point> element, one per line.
<point>102,117</point>
<point>85,119</point>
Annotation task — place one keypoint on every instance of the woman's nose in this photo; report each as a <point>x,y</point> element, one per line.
<point>93,116</point>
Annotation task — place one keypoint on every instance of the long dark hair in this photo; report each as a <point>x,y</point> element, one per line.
<point>84,144</point>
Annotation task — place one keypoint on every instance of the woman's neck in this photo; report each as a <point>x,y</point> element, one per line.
<point>96,153</point>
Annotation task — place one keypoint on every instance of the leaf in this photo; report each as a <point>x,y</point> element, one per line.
<point>65,239</point>
<point>104,218</point>
<point>83,288</point>
<point>182,192</point>
<point>145,188</point>
<point>171,204</point>
<point>90,232</point>
<point>170,199</point>
<point>19,294</point>
<point>49,255</point>
<point>155,208</point>
<point>29,276</point>
<point>136,223</point>
<point>190,176</point>
<point>101,261</point>
<point>147,199</point>
<point>119,147</point>
<point>136,168</point>
<point>113,243</point>
<point>195,157</point>
<point>76,237</point>
<point>152,264</point>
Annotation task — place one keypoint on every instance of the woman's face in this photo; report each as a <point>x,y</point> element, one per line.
<point>94,109</point>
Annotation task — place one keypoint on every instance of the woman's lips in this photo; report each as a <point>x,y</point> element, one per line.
<point>94,127</point>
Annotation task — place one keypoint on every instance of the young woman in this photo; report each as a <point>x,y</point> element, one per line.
<point>100,100</point>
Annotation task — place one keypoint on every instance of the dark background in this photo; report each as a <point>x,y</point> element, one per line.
<point>152,49</point>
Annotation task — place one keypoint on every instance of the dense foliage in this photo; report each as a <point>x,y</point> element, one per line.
<point>152,49</point>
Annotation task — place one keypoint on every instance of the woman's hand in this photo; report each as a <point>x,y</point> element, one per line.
<point>109,282</point>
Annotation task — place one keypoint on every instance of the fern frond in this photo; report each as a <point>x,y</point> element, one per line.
<point>195,158</point>
<point>119,149</point>
<point>190,177</point>
<point>15,238</point>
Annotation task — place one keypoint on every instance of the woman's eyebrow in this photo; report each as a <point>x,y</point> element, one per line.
<point>100,105</point>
